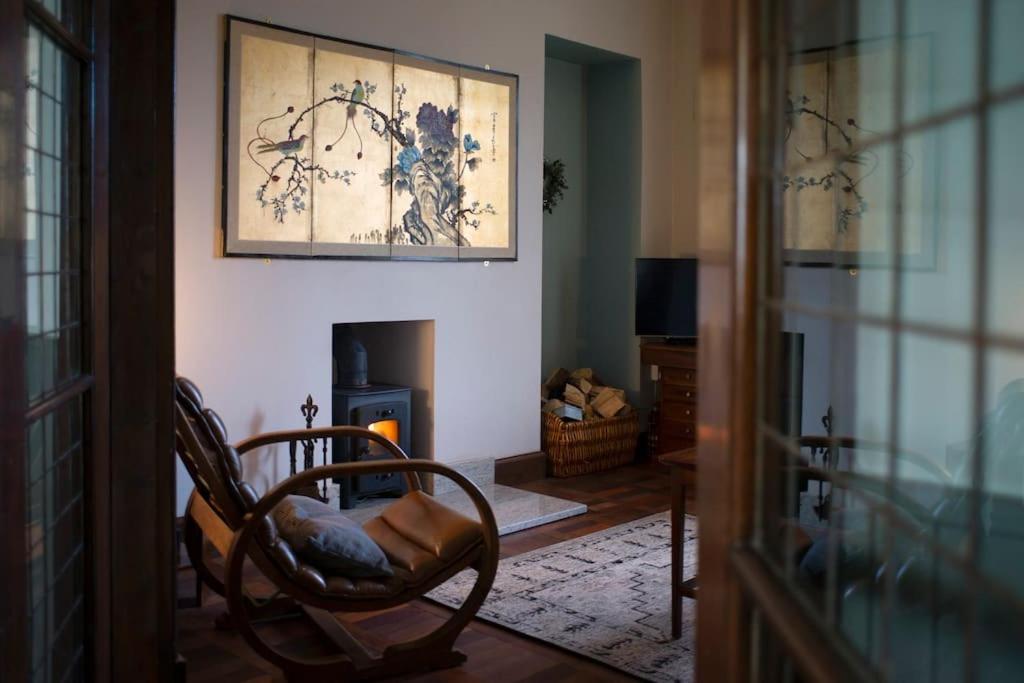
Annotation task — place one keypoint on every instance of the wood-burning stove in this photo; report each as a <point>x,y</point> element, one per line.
<point>383,408</point>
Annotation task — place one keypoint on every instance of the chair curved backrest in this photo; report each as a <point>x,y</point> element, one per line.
<point>216,469</point>
<point>212,462</point>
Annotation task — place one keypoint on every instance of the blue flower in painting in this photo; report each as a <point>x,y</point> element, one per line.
<point>407,157</point>
<point>469,144</point>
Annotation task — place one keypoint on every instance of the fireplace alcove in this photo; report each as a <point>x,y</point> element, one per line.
<point>382,379</point>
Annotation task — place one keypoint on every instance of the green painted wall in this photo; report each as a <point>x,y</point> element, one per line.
<point>592,121</point>
<point>612,240</point>
<point>564,138</point>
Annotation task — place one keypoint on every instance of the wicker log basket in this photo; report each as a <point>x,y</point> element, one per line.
<point>588,446</point>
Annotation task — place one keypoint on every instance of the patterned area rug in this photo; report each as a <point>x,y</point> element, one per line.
<point>604,596</point>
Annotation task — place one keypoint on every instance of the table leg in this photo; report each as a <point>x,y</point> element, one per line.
<point>678,528</point>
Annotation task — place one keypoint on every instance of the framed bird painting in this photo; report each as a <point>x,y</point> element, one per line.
<point>345,150</point>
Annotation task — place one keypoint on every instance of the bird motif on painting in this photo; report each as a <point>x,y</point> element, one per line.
<point>356,97</point>
<point>285,147</point>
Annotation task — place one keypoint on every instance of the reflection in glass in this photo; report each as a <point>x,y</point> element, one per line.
<point>943,293</point>
<point>895,511</point>
<point>1006,238</point>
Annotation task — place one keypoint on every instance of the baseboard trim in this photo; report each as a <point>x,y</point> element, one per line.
<point>520,469</point>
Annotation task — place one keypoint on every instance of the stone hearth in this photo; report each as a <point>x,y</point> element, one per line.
<point>514,509</point>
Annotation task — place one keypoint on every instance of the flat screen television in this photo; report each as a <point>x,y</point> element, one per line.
<point>666,297</point>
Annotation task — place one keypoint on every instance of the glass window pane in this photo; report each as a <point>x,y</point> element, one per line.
<point>47,117</point>
<point>1001,544</point>
<point>54,538</point>
<point>51,302</point>
<point>936,412</point>
<point>33,304</point>
<point>33,243</point>
<point>53,247</point>
<point>1007,60</point>
<point>891,530</point>
<point>1004,445</point>
<point>1003,453</point>
<point>939,204</point>
<point>863,391</point>
<point>47,66</point>
<point>55,454</point>
<point>47,185</point>
<point>1005,234</point>
<point>927,627</point>
<point>33,168</point>
<point>941,56</point>
<point>49,242</point>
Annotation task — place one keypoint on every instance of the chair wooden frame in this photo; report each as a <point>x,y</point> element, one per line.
<point>211,515</point>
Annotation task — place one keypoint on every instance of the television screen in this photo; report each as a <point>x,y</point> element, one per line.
<point>666,297</point>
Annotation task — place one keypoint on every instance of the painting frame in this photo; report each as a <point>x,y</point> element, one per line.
<point>926,257</point>
<point>502,230</point>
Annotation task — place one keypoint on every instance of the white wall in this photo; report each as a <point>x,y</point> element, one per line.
<point>256,335</point>
<point>685,132</point>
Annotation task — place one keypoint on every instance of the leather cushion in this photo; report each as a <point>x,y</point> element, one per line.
<point>329,540</point>
<point>405,555</point>
<point>432,526</point>
<point>421,536</point>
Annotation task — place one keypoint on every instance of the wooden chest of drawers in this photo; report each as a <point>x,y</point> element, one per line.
<point>677,394</point>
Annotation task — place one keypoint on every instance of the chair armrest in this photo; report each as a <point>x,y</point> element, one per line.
<point>291,435</point>
<point>268,438</point>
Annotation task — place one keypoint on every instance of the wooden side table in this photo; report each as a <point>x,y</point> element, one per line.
<point>682,465</point>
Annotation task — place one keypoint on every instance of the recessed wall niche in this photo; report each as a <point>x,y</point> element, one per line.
<point>402,353</point>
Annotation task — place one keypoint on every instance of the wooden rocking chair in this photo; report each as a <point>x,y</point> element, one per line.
<point>425,542</point>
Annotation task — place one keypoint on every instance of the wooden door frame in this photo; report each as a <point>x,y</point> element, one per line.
<point>131,578</point>
<point>13,605</point>
<point>99,470</point>
<point>735,581</point>
<point>141,337</point>
<point>727,253</point>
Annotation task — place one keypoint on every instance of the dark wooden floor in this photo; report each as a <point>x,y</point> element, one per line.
<point>495,654</point>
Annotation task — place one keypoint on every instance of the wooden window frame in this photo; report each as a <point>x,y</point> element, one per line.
<point>725,320</point>
<point>737,586</point>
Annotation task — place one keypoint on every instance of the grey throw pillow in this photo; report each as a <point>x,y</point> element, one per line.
<point>329,540</point>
